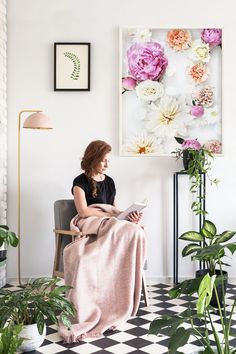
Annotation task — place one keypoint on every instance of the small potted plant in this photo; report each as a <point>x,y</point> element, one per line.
<point>209,247</point>
<point>41,299</point>
<point>7,238</point>
<point>197,159</point>
<point>205,286</point>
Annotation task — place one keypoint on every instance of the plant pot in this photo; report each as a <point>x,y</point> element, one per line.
<point>3,255</point>
<point>3,272</point>
<point>33,338</point>
<point>186,159</point>
<point>188,156</point>
<point>213,302</point>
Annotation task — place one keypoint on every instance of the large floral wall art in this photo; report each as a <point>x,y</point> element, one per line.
<point>170,86</point>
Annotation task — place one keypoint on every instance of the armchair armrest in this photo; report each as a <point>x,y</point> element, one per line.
<point>68,232</point>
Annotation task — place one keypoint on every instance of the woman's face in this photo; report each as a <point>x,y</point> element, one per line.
<point>103,165</point>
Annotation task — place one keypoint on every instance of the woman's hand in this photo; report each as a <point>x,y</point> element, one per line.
<point>135,217</point>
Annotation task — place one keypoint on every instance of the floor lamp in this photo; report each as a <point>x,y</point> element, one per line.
<point>36,120</point>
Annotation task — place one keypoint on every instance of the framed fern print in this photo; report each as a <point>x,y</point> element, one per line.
<point>71,66</point>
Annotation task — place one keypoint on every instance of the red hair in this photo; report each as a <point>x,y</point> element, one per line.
<point>93,155</point>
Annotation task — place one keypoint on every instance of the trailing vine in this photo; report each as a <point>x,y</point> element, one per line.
<point>76,62</point>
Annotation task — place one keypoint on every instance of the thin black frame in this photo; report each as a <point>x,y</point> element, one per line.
<point>55,65</point>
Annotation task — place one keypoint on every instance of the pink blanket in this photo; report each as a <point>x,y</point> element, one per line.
<point>105,270</point>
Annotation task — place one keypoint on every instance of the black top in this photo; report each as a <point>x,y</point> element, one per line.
<point>106,189</point>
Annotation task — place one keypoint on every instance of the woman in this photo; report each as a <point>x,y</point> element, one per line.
<point>94,186</point>
<point>104,269</point>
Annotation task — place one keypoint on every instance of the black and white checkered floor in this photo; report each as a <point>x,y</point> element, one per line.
<point>132,336</point>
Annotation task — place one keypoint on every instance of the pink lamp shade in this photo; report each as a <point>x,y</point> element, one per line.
<point>37,121</point>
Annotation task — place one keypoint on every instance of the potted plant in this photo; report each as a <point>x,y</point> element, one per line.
<point>41,299</point>
<point>204,286</point>
<point>197,159</point>
<point>10,340</point>
<point>7,238</point>
<point>208,246</point>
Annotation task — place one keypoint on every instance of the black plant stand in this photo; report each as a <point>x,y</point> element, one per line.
<point>201,217</point>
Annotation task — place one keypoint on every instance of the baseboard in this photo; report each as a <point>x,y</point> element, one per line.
<point>149,280</point>
<point>170,280</point>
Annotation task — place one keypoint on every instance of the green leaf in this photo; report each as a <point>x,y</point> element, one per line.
<point>209,252</point>
<point>210,227</point>
<point>187,287</point>
<point>191,236</point>
<point>231,247</point>
<point>13,240</point>
<point>208,351</point>
<point>60,290</point>
<point>189,249</point>
<point>5,227</point>
<point>66,321</point>
<point>179,140</point>
<point>205,293</point>
<point>158,324</point>
<point>206,233</point>
<point>40,322</point>
<point>225,236</point>
<point>170,322</point>
<point>179,339</point>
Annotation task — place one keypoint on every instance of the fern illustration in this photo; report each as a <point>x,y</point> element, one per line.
<point>76,62</point>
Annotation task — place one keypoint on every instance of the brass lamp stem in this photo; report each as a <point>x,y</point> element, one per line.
<point>18,190</point>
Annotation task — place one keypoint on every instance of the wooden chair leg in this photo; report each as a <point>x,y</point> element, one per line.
<point>144,290</point>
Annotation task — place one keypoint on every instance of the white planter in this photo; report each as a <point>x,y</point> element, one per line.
<point>34,339</point>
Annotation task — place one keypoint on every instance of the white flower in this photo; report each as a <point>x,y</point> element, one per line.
<point>149,90</point>
<point>167,118</point>
<point>199,51</point>
<point>141,35</point>
<point>142,144</point>
<point>212,115</point>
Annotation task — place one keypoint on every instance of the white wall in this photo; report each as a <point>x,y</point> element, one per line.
<point>3,111</point>
<point>50,160</point>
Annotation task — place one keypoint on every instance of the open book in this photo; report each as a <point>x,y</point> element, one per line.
<point>133,207</point>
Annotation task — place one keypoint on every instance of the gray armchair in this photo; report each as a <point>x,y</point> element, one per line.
<point>64,211</point>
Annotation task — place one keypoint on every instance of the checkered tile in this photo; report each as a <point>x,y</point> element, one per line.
<point>132,336</point>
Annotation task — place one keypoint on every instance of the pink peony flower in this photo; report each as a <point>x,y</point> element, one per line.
<point>197,111</point>
<point>212,36</point>
<point>191,144</point>
<point>146,61</point>
<point>213,146</point>
<point>128,83</point>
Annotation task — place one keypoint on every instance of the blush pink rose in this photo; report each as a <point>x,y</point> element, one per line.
<point>213,146</point>
<point>191,144</point>
<point>212,36</point>
<point>128,83</point>
<point>197,111</point>
<point>146,61</point>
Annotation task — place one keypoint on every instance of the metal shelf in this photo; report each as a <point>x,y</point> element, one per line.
<point>201,218</point>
